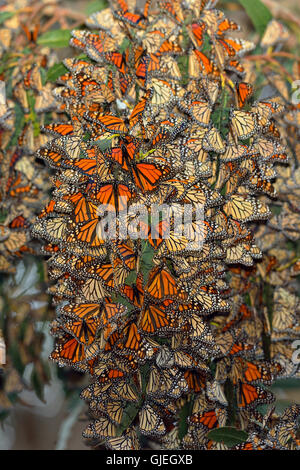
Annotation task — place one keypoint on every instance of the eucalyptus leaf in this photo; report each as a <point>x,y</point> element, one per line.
<point>37,384</point>
<point>55,71</point>
<point>130,412</point>
<point>95,6</point>
<point>146,259</point>
<point>258,13</point>
<point>228,435</point>
<point>131,278</point>
<point>6,15</point>
<point>55,38</point>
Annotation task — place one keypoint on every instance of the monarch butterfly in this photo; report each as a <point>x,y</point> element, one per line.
<point>93,290</point>
<point>270,150</point>
<point>96,165</point>
<point>128,441</point>
<point>31,34</point>
<point>249,396</point>
<point>68,351</point>
<point>132,18</point>
<point>162,285</point>
<point>32,78</point>
<point>215,392</point>
<point>227,25</point>
<point>135,293</point>
<point>131,339</point>
<point>150,422</point>
<point>244,92</point>
<point>287,426</point>
<point>60,129</point>
<point>142,67</point>
<point>185,360</point>
<point>275,33</point>
<point>111,312</point>
<point>118,60</point>
<point>195,380</point>
<point>18,222</point>
<point>147,175</point>
<point>232,47</point>
<point>83,210</point>
<point>196,32</point>
<point>101,41</point>
<point>234,152</point>
<point>201,112</point>
<point>265,110</point>
<point>115,124</point>
<point>162,93</point>
<point>245,208</point>
<point>100,428</point>
<point>153,318</point>
<point>168,47</point>
<point>253,372</point>
<point>156,234</point>
<point>173,8</point>
<point>209,419</point>
<point>115,195</point>
<point>284,311</point>
<point>126,391</point>
<point>213,141</point>
<point>83,329</point>
<point>55,229</point>
<point>243,124</point>
<point>105,272</point>
<point>125,152</point>
<point>159,383</point>
<point>113,410</point>
<point>89,233</point>
<point>127,254</point>
<point>200,65</point>
<point>235,66</point>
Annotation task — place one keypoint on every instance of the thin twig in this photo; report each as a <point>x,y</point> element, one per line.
<point>75,15</point>
<point>285,54</point>
<point>271,60</point>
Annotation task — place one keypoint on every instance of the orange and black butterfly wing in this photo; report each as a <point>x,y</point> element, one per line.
<point>249,396</point>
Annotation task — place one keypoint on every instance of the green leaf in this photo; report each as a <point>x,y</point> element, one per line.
<point>286,383</point>
<point>55,71</point>
<point>131,278</point>
<point>119,299</point>
<point>183,64</point>
<point>103,145</point>
<point>3,215</point>
<point>97,5</point>
<point>125,45</point>
<point>185,412</point>
<point>37,385</point>
<point>32,116</point>
<point>55,38</point>
<point>14,354</point>
<point>146,259</point>
<point>5,15</point>
<point>19,123</point>
<point>43,73</point>
<point>4,415</point>
<point>130,413</point>
<point>228,435</point>
<point>259,14</point>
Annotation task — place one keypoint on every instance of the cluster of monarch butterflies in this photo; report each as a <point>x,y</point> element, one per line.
<point>279,239</point>
<point>25,102</point>
<point>151,315</point>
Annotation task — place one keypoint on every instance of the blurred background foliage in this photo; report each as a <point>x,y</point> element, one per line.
<point>39,403</point>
